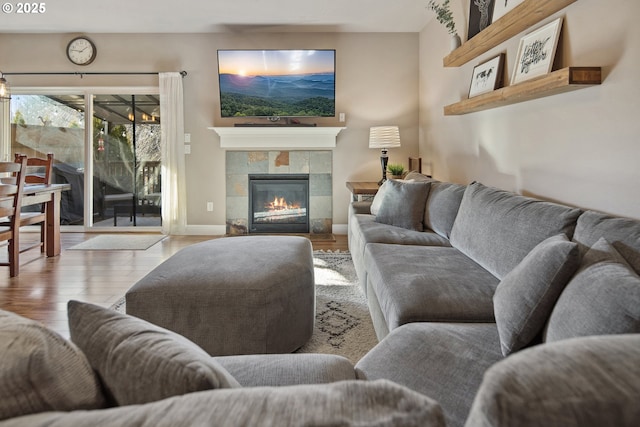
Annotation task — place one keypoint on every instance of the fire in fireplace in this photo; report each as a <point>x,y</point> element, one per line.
<point>279,203</point>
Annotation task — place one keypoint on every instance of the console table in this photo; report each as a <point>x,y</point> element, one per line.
<point>359,189</point>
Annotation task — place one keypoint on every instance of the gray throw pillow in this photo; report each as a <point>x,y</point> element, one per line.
<point>139,362</point>
<point>41,371</point>
<point>602,298</point>
<point>403,204</point>
<point>525,297</point>
<point>580,382</point>
<point>378,198</point>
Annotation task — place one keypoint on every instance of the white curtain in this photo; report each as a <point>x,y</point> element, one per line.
<point>174,206</point>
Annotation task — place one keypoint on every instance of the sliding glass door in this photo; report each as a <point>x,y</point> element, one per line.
<point>126,160</point>
<point>106,146</point>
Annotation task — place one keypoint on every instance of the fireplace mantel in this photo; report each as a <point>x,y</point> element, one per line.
<point>277,137</point>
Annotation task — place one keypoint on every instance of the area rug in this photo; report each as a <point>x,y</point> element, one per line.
<point>343,325</point>
<point>114,242</point>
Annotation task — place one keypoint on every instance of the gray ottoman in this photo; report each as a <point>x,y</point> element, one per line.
<point>233,295</point>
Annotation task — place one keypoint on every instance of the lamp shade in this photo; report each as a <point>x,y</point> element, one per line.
<point>384,137</point>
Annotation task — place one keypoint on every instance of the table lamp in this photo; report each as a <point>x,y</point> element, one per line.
<point>384,137</point>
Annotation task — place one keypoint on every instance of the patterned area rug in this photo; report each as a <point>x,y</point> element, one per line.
<point>343,324</point>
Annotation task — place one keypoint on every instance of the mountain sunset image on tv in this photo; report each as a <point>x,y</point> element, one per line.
<point>277,83</point>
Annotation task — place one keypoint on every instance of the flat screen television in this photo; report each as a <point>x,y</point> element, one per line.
<point>277,83</point>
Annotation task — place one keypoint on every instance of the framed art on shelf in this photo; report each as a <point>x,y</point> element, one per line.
<point>487,76</point>
<point>536,52</point>
<point>480,12</point>
<point>501,7</point>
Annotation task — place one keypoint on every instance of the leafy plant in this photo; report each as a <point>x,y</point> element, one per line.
<point>395,169</point>
<point>443,15</point>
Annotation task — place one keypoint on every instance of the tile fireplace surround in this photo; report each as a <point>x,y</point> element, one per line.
<point>316,163</point>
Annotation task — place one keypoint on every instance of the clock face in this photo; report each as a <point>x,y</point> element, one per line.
<point>81,51</point>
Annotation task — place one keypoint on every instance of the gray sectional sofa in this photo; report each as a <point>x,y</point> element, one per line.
<point>492,309</point>
<point>121,371</point>
<point>469,283</point>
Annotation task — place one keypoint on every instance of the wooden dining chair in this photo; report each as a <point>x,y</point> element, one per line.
<point>10,202</point>
<point>38,171</point>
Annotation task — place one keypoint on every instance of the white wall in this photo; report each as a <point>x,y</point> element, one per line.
<point>377,84</point>
<point>580,148</point>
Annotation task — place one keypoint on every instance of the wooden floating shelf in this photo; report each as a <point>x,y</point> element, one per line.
<point>560,81</point>
<point>521,17</point>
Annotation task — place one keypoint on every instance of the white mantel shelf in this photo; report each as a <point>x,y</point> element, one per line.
<point>266,137</point>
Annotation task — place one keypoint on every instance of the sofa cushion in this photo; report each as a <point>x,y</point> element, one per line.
<point>580,382</point>
<point>442,207</point>
<point>444,361</point>
<point>403,204</point>
<point>428,284</point>
<point>41,371</point>
<point>602,298</point>
<point>261,370</point>
<point>139,362</point>
<point>622,233</point>
<point>525,297</point>
<point>498,228</point>
<point>371,231</point>
<point>347,403</point>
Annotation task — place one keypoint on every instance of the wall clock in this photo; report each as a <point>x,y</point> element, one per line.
<point>81,51</point>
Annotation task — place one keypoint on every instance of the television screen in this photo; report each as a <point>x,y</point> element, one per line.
<point>277,83</point>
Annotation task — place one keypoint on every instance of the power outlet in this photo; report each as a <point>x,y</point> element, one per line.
<point>209,206</point>
<point>342,117</point>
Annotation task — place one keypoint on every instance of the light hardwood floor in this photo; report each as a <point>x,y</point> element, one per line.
<point>45,285</point>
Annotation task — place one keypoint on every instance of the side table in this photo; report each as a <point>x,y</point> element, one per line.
<point>361,189</point>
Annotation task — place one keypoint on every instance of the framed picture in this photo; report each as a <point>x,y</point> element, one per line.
<point>501,7</point>
<point>479,16</point>
<point>487,76</point>
<point>536,52</point>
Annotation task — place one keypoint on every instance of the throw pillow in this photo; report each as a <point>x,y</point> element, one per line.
<point>139,362</point>
<point>403,204</point>
<point>525,297</point>
<point>378,198</point>
<point>41,371</point>
<point>602,298</point>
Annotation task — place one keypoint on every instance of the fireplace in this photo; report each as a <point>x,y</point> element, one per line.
<point>278,203</point>
<point>316,165</point>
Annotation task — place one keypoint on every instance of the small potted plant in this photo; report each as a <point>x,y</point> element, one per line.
<point>395,170</point>
<point>445,17</point>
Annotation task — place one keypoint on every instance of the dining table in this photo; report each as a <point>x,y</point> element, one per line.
<point>50,195</point>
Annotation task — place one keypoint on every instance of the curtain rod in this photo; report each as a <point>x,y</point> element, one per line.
<point>87,73</point>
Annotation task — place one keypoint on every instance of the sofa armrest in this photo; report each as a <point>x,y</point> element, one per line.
<point>287,369</point>
<point>363,207</point>
<point>587,381</point>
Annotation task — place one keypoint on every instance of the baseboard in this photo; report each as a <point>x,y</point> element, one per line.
<point>205,230</point>
<point>339,229</point>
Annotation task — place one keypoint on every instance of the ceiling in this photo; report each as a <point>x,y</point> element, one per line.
<point>197,16</point>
